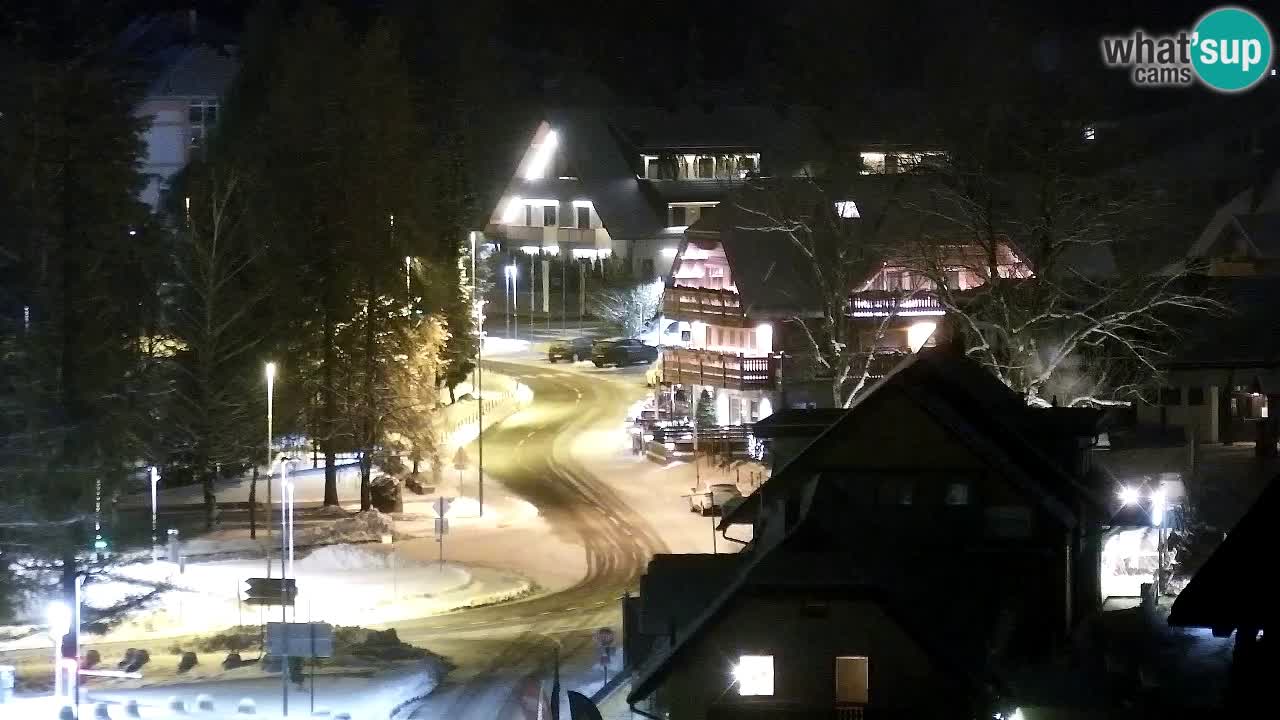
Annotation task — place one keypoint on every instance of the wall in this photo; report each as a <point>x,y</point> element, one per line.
<point>804,646</point>
<point>167,140</point>
<point>1203,419</point>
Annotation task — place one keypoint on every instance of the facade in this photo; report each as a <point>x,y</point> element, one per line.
<point>187,67</point>
<point>628,183</point>
<point>937,540</point>
<point>741,302</point>
<point>1223,381</point>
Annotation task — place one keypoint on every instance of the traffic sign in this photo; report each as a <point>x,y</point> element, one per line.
<point>442,526</point>
<point>271,591</point>
<point>442,504</point>
<point>605,638</point>
<point>300,639</point>
<point>460,460</point>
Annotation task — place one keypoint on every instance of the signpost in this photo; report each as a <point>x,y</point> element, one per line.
<point>442,523</point>
<point>301,640</point>
<point>605,638</point>
<point>271,591</point>
<point>460,463</point>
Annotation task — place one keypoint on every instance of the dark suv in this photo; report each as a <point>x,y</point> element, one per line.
<point>622,352</point>
<point>571,350</point>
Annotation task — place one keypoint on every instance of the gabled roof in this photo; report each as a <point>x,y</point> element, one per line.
<point>1262,232</point>
<point>795,422</point>
<point>1265,199</point>
<point>971,403</point>
<point>1225,594</point>
<point>197,71</point>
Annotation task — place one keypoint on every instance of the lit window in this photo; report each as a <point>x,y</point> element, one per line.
<point>669,252</point>
<point>852,680</point>
<point>847,209</point>
<point>754,675</point>
<point>1089,133</point>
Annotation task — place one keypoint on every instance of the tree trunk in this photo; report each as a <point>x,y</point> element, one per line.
<point>210,500</point>
<point>368,406</point>
<point>253,505</point>
<point>328,417</point>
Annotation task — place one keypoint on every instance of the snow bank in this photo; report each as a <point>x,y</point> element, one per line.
<point>365,526</point>
<point>344,557</point>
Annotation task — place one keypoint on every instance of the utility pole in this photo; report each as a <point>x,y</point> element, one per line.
<point>532,277</point>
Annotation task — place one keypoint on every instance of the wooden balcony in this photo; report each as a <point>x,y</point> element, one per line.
<point>879,303</point>
<point>723,370</point>
<point>714,307</point>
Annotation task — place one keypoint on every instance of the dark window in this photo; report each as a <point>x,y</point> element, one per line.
<point>890,164</point>
<point>646,267</point>
<point>1170,396</point>
<point>897,492</point>
<point>196,114</point>
<point>584,217</point>
<point>957,494</point>
<point>210,114</point>
<point>549,215</point>
<point>678,215</point>
<point>1195,395</point>
<point>651,169</point>
<point>528,215</point>
<point>706,167</point>
<point>707,213</point>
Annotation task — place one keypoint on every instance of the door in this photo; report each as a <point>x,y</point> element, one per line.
<point>584,217</point>
<point>852,680</point>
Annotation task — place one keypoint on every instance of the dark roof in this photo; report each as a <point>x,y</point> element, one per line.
<point>773,275</point>
<point>1248,337</point>
<point>198,71</point>
<point>989,417</point>
<point>1263,232</point>
<point>675,586</point>
<point>790,566</point>
<point>797,422</point>
<point>1225,593</point>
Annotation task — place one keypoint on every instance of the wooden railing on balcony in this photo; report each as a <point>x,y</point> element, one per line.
<point>717,307</point>
<point>878,303</point>
<point>717,369</point>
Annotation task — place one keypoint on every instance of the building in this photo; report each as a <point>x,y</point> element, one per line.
<point>939,538</point>
<point>595,183</point>
<point>1223,379</point>
<point>745,301</point>
<point>187,66</point>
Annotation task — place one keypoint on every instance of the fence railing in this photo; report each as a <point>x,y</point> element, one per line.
<point>719,307</point>
<point>718,369</point>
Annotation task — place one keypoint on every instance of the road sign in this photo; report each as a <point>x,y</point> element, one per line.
<point>300,639</point>
<point>271,591</point>
<point>605,638</point>
<point>460,460</point>
<point>442,527</point>
<point>442,505</point>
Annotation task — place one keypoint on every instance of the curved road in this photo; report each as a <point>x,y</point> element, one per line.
<point>514,642</point>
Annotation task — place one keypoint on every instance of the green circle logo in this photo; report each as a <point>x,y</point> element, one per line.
<point>1231,49</point>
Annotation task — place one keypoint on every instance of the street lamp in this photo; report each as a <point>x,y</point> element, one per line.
<point>155,539</point>
<point>271,389</point>
<point>510,286</point>
<point>479,385</point>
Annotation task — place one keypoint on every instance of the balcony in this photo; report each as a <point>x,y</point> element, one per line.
<point>782,710</point>
<point>573,238</point>
<point>722,370</point>
<point>881,303</point>
<point>714,307</point>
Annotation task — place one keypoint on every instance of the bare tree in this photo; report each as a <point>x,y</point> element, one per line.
<point>840,237</point>
<point>1034,289</point>
<point>628,308</point>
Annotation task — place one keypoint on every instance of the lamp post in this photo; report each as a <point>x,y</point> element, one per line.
<point>286,562</point>
<point>513,321</point>
<point>479,310</point>
<point>271,389</point>
<point>155,539</point>
<point>1157,518</point>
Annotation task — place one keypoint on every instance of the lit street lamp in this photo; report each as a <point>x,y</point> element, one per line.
<point>286,515</point>
<point>511,291</point>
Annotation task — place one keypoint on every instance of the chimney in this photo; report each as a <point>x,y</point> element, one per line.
<point>193,22</point>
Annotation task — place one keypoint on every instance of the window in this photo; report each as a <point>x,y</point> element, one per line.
<point>897,491</point>
<point>754,675</point>
<point>706,167</point>
<point>678,215</point>
<point>528,215</point>
<point>1089,133</point>
<point>852,680</point>
<point>1195,395</point>
<point>953,280</point>
<point>549,215</point>
<point>584,217</point>
<point>646,267</point>
<point>1170,396</point>
<point>847,209</point>
<point>202,115</point>
<point>957,494</point>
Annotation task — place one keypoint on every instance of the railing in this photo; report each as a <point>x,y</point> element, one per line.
<point>717,369</point>
<point>878,303</point>
<point>849,712</point>
<point>719,307</point>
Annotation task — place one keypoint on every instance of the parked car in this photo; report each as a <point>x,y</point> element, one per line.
<point>572,350</point>
<point>622,352</point>
<point>714,499</point>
